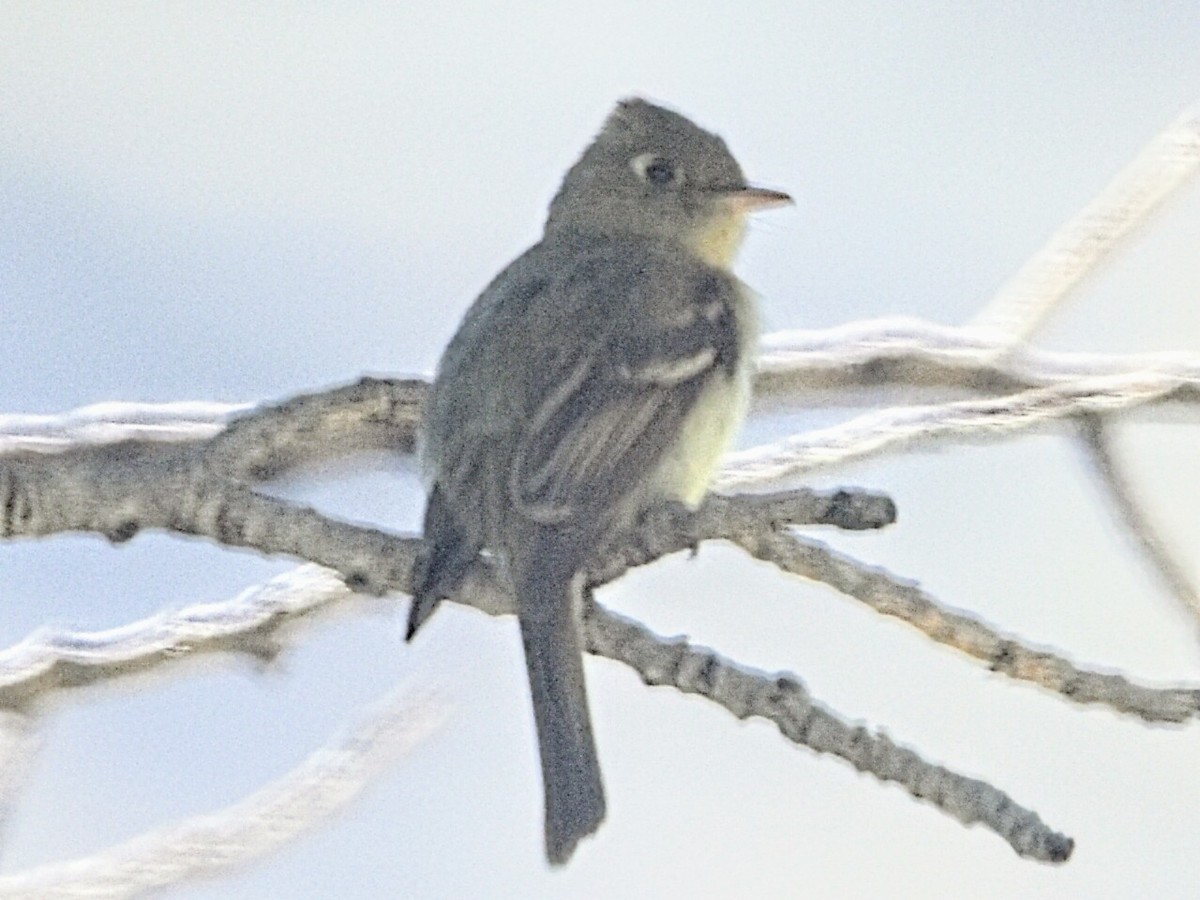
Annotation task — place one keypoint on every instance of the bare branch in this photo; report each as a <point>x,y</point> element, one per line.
<point>196,483</point>
<point>764,532</point>
<point>117,497</point>
<point>49,663</point>
<point>254,623</point>
<point>249,442</point>
<point>210,845</point>
<point>1077,248</point>
<point>1009,656</point>
<point>898,427</point>
<point>376,414</point>
<point>783,700</point>
<point>122,489</point>
<point>851,364</point>
<point>1137,522</point>
<point>116,469</point>
<point>372,414</point>
<point>107,423</point>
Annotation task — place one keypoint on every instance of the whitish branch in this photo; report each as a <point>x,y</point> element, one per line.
<point>253,624</point>
<point>849,366</point>
<point>964,420</point>
<point>119,491</point>
<point>1093,235</point>
<point>211,845</point>
<point>107,423</point>
<point>854,364</point>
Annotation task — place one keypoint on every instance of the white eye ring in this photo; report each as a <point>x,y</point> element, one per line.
<point>655,169</point>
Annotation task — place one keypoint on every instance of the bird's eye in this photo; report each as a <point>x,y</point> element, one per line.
<point>655,169</point>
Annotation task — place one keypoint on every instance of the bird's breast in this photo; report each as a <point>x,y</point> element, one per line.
<point>709,429</point>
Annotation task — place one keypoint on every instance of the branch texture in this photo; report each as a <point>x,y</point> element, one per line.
<point>190,468</point>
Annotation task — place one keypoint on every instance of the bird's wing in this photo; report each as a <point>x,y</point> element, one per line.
<point>612,409</point>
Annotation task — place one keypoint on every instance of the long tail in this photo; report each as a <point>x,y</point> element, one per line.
<point>550,629</point>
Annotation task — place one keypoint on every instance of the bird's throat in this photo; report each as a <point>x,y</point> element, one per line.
<point>717,241</point>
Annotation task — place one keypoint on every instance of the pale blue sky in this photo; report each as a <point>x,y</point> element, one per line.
<point>236,202</point>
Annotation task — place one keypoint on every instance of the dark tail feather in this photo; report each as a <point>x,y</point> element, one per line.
<point>441,564</point>
<point>550,626</point>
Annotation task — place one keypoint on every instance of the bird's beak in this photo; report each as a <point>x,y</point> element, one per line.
<point>751,199</point>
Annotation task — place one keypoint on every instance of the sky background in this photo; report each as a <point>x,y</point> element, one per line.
<point>239,202</point>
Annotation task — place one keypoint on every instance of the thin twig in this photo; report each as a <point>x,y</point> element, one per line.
<point>1169,570</point>
<point>783,700</point>
<point>890,596</point>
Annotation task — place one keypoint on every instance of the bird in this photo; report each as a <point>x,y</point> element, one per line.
<point>603,372</point>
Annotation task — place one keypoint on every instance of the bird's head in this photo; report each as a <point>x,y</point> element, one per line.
<point>653,172</point>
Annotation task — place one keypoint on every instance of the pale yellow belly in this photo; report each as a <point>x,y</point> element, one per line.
<point>711,427</point>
